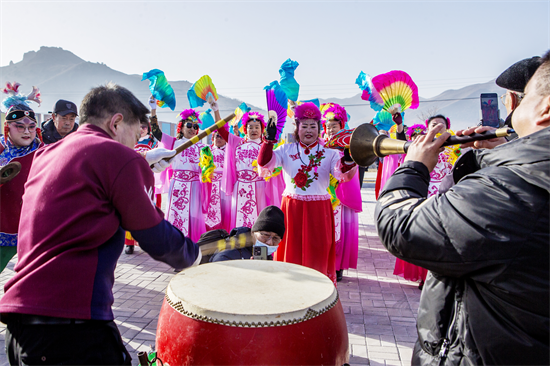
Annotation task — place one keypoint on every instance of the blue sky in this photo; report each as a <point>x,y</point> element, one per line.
<point>441,44</point>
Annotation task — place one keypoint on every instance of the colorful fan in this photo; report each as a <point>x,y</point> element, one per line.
<point>160,88</point>
<point>239,113</point>
<point>207,119</point>
<point>277,101</point>
<point>370,94</point>
<point>383,120</point>
<point>288,83</point>
<point>397,89</point>
<point>340,141</point>
<point>200,91</point>
<point>290,112</point>
<point>206,164</point>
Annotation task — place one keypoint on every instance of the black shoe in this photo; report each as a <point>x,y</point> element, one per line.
<point>129,249</point>
<point>339,275</point>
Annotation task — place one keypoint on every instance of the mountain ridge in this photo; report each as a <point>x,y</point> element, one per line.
<point>60,74</point>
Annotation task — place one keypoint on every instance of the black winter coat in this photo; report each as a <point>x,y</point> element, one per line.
<point>486,242</point>
<point>50,134</point>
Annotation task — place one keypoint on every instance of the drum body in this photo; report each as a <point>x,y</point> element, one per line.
<point>252,313</point>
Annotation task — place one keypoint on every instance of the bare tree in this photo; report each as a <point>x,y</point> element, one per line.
<point>426,113</point>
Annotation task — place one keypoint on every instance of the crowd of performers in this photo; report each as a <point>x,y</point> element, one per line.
<point>316,187</point>
<point>250,175</point>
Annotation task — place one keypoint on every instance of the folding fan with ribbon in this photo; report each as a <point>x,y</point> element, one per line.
<point>394,90</point>
<point>200,91</point>
<point>160,88</point>
<point>277,101</point>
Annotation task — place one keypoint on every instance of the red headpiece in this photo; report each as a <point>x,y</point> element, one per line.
<point>307,111</point>
<point>253,116</point>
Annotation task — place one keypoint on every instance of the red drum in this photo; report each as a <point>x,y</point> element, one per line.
<point>251,313</point>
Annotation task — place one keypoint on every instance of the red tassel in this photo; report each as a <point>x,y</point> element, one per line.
<point>39,134</point>
<point>6,131</point>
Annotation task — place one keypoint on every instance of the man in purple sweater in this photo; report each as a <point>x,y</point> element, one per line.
<point>81,195</point>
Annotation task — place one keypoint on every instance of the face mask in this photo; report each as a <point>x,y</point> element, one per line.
<point>270,249</point>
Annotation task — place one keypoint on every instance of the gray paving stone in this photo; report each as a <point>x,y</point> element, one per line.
<point>380,308</point>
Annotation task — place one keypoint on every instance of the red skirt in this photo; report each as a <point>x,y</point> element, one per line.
<point>378,179</point>
<point>409,271</point>
<point>309,235</point>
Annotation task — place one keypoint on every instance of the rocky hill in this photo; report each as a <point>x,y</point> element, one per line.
<point>62,75</point>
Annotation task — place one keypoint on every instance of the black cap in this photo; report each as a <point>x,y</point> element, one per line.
<point>211,236</point>
<point>64,107</point>
<point>271,219</point>
<point>517,76</point>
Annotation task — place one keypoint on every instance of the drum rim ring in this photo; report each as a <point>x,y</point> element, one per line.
<point>177,305</point>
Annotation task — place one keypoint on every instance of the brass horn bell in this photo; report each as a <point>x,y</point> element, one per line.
<point>366,145</point>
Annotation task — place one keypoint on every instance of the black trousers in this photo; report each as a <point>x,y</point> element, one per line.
<point>362,175</point>
<point>78,343</point>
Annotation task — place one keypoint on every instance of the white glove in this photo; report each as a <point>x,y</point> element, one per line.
<point>213,104</point>
<point>152,103</point>
<point>155,157</point>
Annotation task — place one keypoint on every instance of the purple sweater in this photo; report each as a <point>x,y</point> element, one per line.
<point>81,194</point>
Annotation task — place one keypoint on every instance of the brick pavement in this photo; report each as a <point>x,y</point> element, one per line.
<point>380,308</point>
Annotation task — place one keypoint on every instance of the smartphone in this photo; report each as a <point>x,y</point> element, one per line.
<point>260,253</point>
<point>490,114</point>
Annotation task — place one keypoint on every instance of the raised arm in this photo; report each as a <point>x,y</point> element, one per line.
<point>155,128</point>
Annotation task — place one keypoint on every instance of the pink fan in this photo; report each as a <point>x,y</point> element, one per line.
<point>397,90</point>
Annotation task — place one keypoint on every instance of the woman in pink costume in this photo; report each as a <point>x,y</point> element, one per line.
<point>218,215</point>
<point>307,166</point>
<point>444,165</point>
<point>188,197</point>
<point>250,193</point>
<point>346,219</point>
<point>404,269</point>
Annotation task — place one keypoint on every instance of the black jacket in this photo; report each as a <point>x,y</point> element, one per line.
<point>486,242</point>
<point>50,134</point>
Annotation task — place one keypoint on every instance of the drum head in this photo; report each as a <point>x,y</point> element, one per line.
<point>251,293</point>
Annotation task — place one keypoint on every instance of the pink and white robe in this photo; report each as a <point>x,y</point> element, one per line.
<point>188,197</point>
<point>218,215</point>
<point>249,192</point>
<point>346,222</point>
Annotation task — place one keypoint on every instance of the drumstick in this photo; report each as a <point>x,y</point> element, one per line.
<point>201,135</point>
<point>233,242</point>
